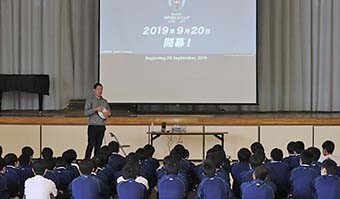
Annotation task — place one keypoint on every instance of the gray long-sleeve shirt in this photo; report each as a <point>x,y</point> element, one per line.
<point>92,103</point>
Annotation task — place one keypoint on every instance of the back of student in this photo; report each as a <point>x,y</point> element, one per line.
<point>212,186</point>
<point>240,167</point>
<point>130,185</point>
<point>327,185</point>
<point>279,173</point>
<point>302,178</point>
<point>3,185</point>
<point>259,187</point>
<point>172,185</point>
<point>12,175</point>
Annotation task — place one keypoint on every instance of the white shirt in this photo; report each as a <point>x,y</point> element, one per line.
<point>39,187</point>
<point>139,179</point>
<point>332,157</point>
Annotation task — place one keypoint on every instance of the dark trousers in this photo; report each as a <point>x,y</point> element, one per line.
<point>95,135</point>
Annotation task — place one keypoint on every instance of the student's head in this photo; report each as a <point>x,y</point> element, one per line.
<point>328,147</point>
<point>60,162</point>
<point>171,165</point>
<point>291,147</point>
<point>70,156</point>
<point>101,159</point>
<point>2,165</point>
<point>27,151</point>
<point>47,153</point>
<point>306,157</point>
<point>39,167</point>
<point>141,154</point>
<point>24,160</point>
<point>209,167</point>
<point>87,166</point>
<point>243,155</point>
<point>113,147</point>
<point>177,153</point>
<point>130,170</point>
<point>316,153</point>
<point>260,155</point>
<point>179,147</point>
<point>98,89</point>
<point>276,154</point>
<point>255,161</point>
<point>186,153</point>
<point>11,159</point>
<point>256,146</point>
<point>299,147</point>
<point>149,150</point>
<point>260,173</point>
<point>132,157</point>
<point>328,166</point>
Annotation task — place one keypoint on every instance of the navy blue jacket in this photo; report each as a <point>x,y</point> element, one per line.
<point>279,174</point>
<point>3,188</point>
<point>172,186</point>
<point>258,189</point>
<point>116,162</point>
<point>292,161</point>
<point>327,186</point>
<point>130,189</point>
<point>13,181</point>
<point>213,188</point>
<point>86,187</point>
<point>236,170</point>
<point>302,182</point>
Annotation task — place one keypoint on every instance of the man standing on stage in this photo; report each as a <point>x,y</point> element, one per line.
<point>98,110</point>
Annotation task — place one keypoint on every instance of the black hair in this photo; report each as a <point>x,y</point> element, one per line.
<point>149,150</point>
<point>306,157</point>
<point>171,165</point>
<point>329,146</point>
<point>97,84</point>
<point>113,147</point>
<point>87,166</point>
<point>132,157</point>
<point>255,161</point>
<point>316,153</point>
<point>47,153</point>
<point>130,170</point>
<point>276,154</point>
<point>27,151</point>
<point>101,159</point>
<point>69,156</point>
<point>186,153</point>
<point>260,155</point>
<point>209,167</point>
<point>11,159</point>
<point>299,147</point>
<point>256,146</point>
<point>291,147</point>
<point>329,165</point>
<point>141,154</point>
<point>2,163</point>
<point>0,151</point>
<point>177,153</point>
<point>261,172</point>
<point>60,162</point>
<point>243,155</point>
<point>39,167</point>
<point>24,160</point>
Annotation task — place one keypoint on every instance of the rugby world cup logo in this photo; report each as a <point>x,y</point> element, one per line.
<point>176,5</point>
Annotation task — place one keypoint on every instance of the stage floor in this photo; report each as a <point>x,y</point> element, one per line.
<point>123,118</point>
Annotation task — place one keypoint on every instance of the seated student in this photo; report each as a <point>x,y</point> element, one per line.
<point>116,161</point>
<point>259,187</point>
<point>172,185</point>
<point>70,157</point>
<point>104,173</point>
<point>242,166</point>
<point>291,159</point>
<point>38,186</point>
<point>302,177</point>
<point>130,185</point>
<point>256,146</point>
<point>150,164</point>
<point>47,155</point>
<point>299,148</point>
<point>225,162</point>
<point>60,177</point>
<point>12,175</point>
<point>279,173</point>
<point>3,185</point>
<point>316,156</point>
<point>87,186</point>
<point>24,171</point>
<point>327,185</point>
<point>255,160</point>
<point>27,151</point>
<point>211,185</point>
<point>327,152</point>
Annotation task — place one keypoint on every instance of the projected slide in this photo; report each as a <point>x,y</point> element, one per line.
<point>178,51</point>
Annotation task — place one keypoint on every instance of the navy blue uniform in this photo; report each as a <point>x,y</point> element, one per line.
<point>130,189</point>
<point>279,173</point>
<point>13,181</point>
<point>236,170</point>
<point>247,176</point>
<point>116,162</point>
<point>60,177</point>
<point>213,188</point>
<point>258,189</point>
<point>292,161</point>
<point>302,182</point>
<point>24,173</point>
<point>86,187</point>
<point>327,186</point>
<point>172,186</point>
<point>3,188</point>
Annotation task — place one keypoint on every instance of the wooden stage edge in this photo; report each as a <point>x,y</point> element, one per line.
<point>173,120</point>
